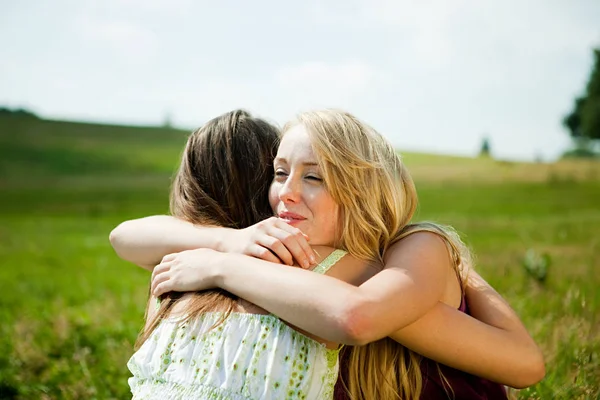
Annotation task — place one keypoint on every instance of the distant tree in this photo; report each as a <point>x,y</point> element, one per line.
<point>18,112</point>
<point>590,111</point>
<point>573,121</point>
<point>168,121</point>
<point>584,121</point>
<point>485,148</point>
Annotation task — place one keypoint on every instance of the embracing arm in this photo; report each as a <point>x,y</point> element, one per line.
<point>323,305</point>
<point>495,346</point>
<point>499,349</point>
<point>146,241</point>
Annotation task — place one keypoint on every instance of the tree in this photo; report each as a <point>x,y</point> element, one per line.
<point>168,121</point>
<point>18,112</point>
<point>573,121</point>
<point>485,148</point>
<point>584,121</point>
<point>590,111</point>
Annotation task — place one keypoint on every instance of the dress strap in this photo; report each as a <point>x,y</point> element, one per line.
<point>329,261</point>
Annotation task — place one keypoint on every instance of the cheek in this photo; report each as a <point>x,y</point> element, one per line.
<point>274,196</point>
<point>335,220</point>
<point>331,208</point>
<point>329,215</point>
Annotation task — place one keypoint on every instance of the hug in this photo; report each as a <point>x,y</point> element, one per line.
<point>290,268</point>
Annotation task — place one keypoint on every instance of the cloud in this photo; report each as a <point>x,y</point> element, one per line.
<point>125,39</point>
<point>432,73</point>
<point>436,33</point>
<point>324,82</point>
<point>419,28</point>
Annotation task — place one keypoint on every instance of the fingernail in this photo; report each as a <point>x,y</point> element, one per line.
<point>313,259</point>
<point>306,264</point>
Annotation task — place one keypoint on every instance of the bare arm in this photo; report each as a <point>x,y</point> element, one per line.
<point>382,306</point>
<point>146,241</point>
<point>495,346</point>
<point>319,304</point>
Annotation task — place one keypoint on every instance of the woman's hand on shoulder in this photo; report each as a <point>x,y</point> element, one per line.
<point>273,240</point>
<point>187,271</point>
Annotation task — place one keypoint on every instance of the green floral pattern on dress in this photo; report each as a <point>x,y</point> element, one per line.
<point>247,357</point>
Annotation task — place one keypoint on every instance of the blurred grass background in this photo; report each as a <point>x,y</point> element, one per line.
<point>70,310</point>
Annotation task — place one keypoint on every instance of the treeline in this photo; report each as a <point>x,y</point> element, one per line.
<point>583,122</point>
<point>17,112</point>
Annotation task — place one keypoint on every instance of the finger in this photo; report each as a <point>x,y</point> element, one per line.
<point>168,257</point>
<point>161,288</point>
<point>272,243</point>
<point>265,224</point>
<point>302,238</point>
<point>293,248</point>
<point>264,254</point>
<point>162,267</point>
<point>157,280</point>
<point>296,243</point>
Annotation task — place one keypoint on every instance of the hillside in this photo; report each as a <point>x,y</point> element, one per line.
<point>39,149</point>
<point>57,152</point>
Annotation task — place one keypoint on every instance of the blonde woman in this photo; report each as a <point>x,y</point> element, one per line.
<point>346,188</point>
<point>210,344</point>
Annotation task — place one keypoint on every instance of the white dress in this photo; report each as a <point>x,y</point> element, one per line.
<point>247,357</point>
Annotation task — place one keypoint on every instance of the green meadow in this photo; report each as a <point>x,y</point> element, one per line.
<point>70,310</point>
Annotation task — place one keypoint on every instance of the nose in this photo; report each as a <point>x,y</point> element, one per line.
<point>289,192</point>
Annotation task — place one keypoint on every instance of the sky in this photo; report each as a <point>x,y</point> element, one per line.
<point>431,75</point>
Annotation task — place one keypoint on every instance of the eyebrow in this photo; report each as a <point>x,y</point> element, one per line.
<point>283,160</point>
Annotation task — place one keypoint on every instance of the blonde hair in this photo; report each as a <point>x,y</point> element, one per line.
<point>366,178</point>
<point>377,199</point>
<point>385,369</point>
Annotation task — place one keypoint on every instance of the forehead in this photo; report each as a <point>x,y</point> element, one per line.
<point>296,145</point>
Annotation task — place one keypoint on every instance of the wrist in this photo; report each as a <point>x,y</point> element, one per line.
<point>223,238</point>
<point>218,269</point>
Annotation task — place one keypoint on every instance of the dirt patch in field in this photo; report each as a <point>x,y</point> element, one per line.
<point>491,171</point>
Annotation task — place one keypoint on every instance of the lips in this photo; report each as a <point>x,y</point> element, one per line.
<point>291,217</point>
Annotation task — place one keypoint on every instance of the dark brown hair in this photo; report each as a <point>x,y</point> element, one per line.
<point>223,180</point>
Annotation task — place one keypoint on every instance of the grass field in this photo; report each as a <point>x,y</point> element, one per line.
<point>70,309</point>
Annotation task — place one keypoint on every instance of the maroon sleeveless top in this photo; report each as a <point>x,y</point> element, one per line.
<point>462,385</point>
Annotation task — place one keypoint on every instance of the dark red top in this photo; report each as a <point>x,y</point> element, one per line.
<point>463,385</point>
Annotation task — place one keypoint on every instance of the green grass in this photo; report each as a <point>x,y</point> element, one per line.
<point>70,310</point>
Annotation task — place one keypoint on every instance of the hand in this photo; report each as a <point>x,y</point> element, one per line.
<point>273,240</point>
<point>186,271</point>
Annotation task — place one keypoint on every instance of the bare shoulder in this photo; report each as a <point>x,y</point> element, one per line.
<point>418,241</point>
<point>419,248</point>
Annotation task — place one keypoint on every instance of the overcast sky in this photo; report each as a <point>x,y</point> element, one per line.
<point>431,75</point>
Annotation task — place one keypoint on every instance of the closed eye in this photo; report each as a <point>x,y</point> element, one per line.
<point>314,178</point>
<point>280,175</point>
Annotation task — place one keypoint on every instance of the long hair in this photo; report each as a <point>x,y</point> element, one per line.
<point>385,369</point>
<point>377,199</point>
<point>364,175</point>
<point>223,180</point>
